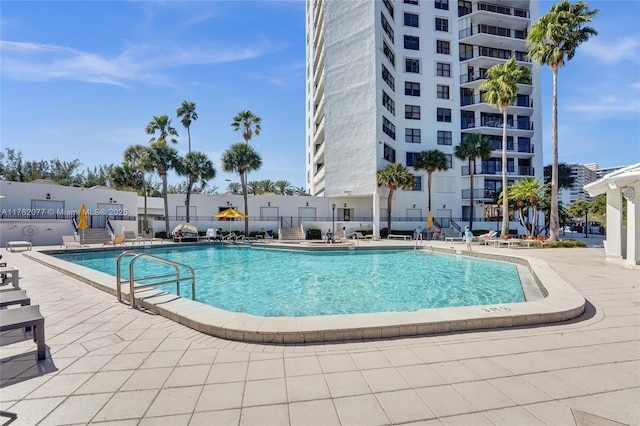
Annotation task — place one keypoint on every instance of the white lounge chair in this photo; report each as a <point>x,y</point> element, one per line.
<point>70,241</point>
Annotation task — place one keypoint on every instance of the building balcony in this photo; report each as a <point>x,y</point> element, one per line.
<point>496,170</point>
<point>498,11</point>
<point>491,35</point>
<point>479,194</point>
<point>521,101</point>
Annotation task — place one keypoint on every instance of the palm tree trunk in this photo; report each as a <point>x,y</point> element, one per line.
<point>553,226</point>
<point>189,135</point>
<point>429,188</point>
<point>189,197</point>
<point>163,174</point>
<point>505,203</point>
<point>389,210</point>
<point>243,181</point>
<point>144,189</point>
<point>472,170</point>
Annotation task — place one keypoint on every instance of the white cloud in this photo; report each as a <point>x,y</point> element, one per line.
<point>140,63</point>
<point>617,51</point>
<point>606,106</point>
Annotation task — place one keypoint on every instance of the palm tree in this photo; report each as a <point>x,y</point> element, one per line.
<point>161,125</point>
<point>431,161</point>
<point>521,191</point>
<point>187,110</point>
<point>138,156</point>
<point>501,88</point>
<point>299,190</point>
<point>234,187</point>
<point>241,158</point>
<point>283,187</point>
<point>474,145</point>
<point>196,166</point>
<point>248,123</point>
<point>553,39</point>
<point>163,158</point>
<point>125,177</point>
<point>394,176</point>
<point>254,187</point>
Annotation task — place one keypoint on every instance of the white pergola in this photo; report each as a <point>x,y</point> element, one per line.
<point>622,242</point>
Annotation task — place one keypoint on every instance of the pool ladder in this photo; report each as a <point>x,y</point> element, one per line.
<point>134,282</point>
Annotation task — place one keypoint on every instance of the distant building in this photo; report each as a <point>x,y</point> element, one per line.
<point>583,174</point>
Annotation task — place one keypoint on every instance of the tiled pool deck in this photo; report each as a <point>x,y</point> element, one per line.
<point>110,363</point>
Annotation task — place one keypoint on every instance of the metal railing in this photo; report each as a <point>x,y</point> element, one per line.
<point>175,277</point>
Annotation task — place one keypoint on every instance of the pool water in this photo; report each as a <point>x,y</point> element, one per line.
<point>277,283</point>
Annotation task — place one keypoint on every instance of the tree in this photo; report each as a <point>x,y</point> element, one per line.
<point>242,159</point>
<point>475,145</point>
<point>501,88</point>
<point>187,111</point>
<point>248,123</point>
<point>553,39</point>
<point>139,157</point>
<point>431,161</point>
<point>234,187</point>
<point>125,177</point>
<point>527,192</point>
<point>394,176</point>
<point>565,180</point>
<point>196,166</point>
<point>299,190</point>
<point>283,187</point>
<point>163,158</point>
<point>254,187</point>
<point>161,125</point>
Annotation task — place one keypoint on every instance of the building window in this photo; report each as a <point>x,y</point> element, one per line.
<point>410,20</point>
<point>411,2</point>
<point>388,128</point>
<point>442,4</point>
<point>449,158</point>
<point>411,42</point>
<point>444,114</point>
<point>412,135</point>
<point>417,183</point>
<point>442,24</point>
<point>389,53</point>
<point>411,158</point>
<point>443,69</point>
<point>388,103</point>
<point>412,112</point>
<point>386,26</point>
<point>388,78</point>
<point>411,88</point>
<point>389,6</point>
<point>466,51</point>
<point>412,65</point>
<point>443,46</point>
<point>442,91</point>
<point>444,137</point>
<point>389,154</point>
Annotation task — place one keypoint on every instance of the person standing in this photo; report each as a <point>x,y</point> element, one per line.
<point>418,233</point>
<point>468,237</point>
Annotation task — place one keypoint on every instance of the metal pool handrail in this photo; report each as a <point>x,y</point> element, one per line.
<point>176,277</point>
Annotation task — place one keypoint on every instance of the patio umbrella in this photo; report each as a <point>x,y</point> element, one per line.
<point>429,221</point>
<point>82,219</point>
<point>230,214</point>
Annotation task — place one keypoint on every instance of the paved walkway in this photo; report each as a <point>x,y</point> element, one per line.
<point>109,363</point>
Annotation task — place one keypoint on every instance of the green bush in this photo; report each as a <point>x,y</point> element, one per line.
<point>314,234</point>
<point>565,244</point>
<point>161,234</point>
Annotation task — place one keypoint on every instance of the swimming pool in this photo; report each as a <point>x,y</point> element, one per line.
<point>280,283</point>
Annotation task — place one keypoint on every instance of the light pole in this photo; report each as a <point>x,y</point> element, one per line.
<point>499,210</point>
<point>333,220</point>
<point>586,222</point>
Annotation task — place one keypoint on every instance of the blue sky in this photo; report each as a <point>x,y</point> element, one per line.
<point>82,79</point>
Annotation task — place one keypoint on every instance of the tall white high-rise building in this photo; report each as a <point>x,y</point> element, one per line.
<point>389,79</point>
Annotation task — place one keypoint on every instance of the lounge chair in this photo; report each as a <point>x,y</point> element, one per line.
<point>25,317</point>
<point>211,235</point>
<point>70,241</point>
<point>18,297</point>
<point>118,240</point>
<point>268,235</point>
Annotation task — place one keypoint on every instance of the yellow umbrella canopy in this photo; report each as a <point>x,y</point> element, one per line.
<point>82,217</point>
<point>230,214</point>
<point>185,227</point>
<point>429,221</point>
